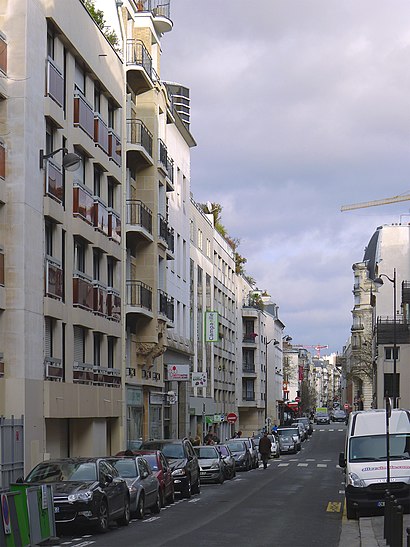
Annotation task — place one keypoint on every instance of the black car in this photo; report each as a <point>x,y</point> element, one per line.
<point>240,451</point>
<point>183,462</point>
<point>339,416</point>
<point>307,424</point>
<point>85,490</point>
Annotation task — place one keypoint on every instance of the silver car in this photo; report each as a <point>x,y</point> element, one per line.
<point>253,449</point>
<point>210,464</point>
<point>142,484</point>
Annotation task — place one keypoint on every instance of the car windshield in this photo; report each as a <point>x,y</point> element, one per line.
<point>286,439</point>
<point>373,447</point>
<point>236,446</point>
<point>126,467</point>
<point>173,451</point>
<point>289,431</point>
<point>223,450</point>
<point>152,460</point>
<point>339,413</point>
<point>206,452</point>
<point>322,415</point>
<point>63,471</point>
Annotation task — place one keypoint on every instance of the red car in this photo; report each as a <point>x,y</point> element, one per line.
<point>161,470</point>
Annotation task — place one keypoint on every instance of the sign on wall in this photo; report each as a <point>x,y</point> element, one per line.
<point>211,326</point>
<point>179,373</point>
<point>199,379</point>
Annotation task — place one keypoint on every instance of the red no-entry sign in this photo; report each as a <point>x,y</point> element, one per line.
<point>232,417</point>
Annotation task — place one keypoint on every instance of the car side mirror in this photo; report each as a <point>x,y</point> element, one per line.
<point>342,460</point>
<point>109,478</point>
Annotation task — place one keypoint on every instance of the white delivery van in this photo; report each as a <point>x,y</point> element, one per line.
<point>364,460</point>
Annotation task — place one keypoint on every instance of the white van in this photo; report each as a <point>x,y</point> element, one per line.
<point>364,460</point>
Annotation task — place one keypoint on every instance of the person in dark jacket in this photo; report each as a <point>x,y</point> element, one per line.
<point>265,445</point>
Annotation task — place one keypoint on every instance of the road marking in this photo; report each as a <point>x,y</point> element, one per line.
<point>293,460</point>
<point>151,519</point>
<point>340,429</point>
<point>283,465</point>
<point>303,464</point>
<point>341,491</point>
<point>321,465</point>
<point>334,507</point>
<point>310,460</point>
<point>194,500</point>
<point>326,460</point>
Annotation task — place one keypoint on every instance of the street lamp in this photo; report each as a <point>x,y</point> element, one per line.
<point>379,282</point>
<point>275,343</point>
<point>71,161</point>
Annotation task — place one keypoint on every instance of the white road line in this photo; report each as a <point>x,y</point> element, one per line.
<point>340,429</point>
<point>321,465</point>
<point>326,460</point>
<point>330,429</point>
<point>293,460</point>
<point>310,460</point>
<point>303,464</point>
<point>194,500</point>
<point>283,465</point>
<point>151,519</point>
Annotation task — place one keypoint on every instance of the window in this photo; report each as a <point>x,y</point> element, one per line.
<point>389,384</point>
<point>49,138</point>
<point>96,264</point>
<point>191,230</point>
<point>111,351</point>
<point>79,255</point>
<point>389,353</point>
<point>97,181</point>
<point>97,349</point>
<point>200,242</point>
<point>111,194</point>
<point>97,98</point>
<point>110,271</point>
<point>248,391</point>
<point>49,238</point>
<point>208,248</point>
<point>111,116</point>
<point>79,78</point>
<point>50,43</point>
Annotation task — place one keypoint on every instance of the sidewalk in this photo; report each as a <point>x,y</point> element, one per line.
<point>367,532</point>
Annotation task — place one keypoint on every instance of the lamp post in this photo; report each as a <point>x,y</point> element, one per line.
<point>378,282</point>
<point>275,343</point>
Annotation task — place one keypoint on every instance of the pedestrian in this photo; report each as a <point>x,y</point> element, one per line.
<point>196,441</point>
<point>239,434</point>
<point>265,445</point>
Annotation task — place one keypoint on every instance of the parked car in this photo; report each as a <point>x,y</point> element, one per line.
<point>142,484</point>
<point>85,490</point>
<point>294,431</point>
<point>287,444</point>
<point>339,416</point>
<point>210,464</point>
<point>253,451</point>
<point>161,469</point>
<point>183,462</point>
<point>241,454</point>
<point>322,418</point>
<point>302,430</point>
<point>228,461</point>
<point>274,449</point>
<point>307,424</point>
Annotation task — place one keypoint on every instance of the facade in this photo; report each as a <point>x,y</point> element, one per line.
<point>60,234</point>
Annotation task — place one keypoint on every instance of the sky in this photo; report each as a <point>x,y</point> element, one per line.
<point>297,107</point>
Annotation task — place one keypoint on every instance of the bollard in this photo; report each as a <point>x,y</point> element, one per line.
<point>397,527</point>
<point>386,513</point>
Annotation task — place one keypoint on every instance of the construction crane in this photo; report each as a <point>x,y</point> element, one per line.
<point>318,347</point>
<point>375,203</point>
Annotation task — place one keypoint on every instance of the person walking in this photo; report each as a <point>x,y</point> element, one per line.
<point>265,445</point>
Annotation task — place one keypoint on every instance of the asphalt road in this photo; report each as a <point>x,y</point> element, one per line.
<point>296,502</point>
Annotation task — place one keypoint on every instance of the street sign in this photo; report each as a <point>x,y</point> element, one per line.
<point>6,513</point>
<point>297,399</point>
<point>231,417</point>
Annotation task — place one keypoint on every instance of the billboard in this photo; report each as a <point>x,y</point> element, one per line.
<point>179,373</point>
<point>211,326</point>
<point>199,379</point>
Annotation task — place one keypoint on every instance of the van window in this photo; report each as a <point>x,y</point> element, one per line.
<point>373,448</point>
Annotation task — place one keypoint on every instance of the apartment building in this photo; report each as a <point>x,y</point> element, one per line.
<point>60,230</point>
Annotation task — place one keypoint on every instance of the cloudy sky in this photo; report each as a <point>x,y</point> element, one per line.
<point>298,107</point>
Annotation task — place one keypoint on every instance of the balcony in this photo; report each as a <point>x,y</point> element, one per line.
<point>53,369</point>
<point>101,133</point>
<point>83,291</point>
<point>83,373</point>
<point>54,279</point>
<point>160,11</point>
<point>140,74</point>
<point>165,305</point>
<point>103,376</point>
<point>166,236</point>
<point>139,298</point>
<point>385,331</point>
<point>55,83</point>
<point>54,187</point>
<point>100,215</point>
<point>248,368</point>
<point>113,305</point>
<point>139,144</point>
<point>114,147</point>
<point>357,326</point>
<point>83,203</point>
<point>166,165</point>
<point>99,298</point>
<point>114,226</point>
<point>139,221</point>
<point>250,338</point>
<point>83,114</point>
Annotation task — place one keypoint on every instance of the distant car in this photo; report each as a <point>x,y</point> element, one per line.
<point>294,432</point>
<point>322,418</point>
<point>287,444</point>
<point>307,424</point>
<point>183,462</point>
<point>274,449</point>
<point>240,451</point>
<point>253,451</point>
<point>339,416</point>
<point>142,484</point>
<point>302,430</point>
<point>228,461</point>
<point>85,490</point>
<point>210,464</point>
<point>162,471</point>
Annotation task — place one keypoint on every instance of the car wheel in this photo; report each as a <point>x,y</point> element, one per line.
<point>234,473</point>
<point>221,478</point>
<point>140,507</point>
<point>126,517</point>
<point>156,508</point>
<point>102,518</point>
<point>350,510</point>
<point>187,491</point>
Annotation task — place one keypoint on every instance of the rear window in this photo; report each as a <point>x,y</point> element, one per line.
<point>236,446</point>
<point>126,468</point>
<point>206,452</point>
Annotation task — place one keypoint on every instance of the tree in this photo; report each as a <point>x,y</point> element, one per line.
<point>98,16</point>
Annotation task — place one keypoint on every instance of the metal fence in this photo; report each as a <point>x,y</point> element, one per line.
<point>11,450</point>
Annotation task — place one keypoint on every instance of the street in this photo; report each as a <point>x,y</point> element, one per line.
<point>297,501</point>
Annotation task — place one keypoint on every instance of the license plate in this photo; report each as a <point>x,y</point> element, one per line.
<point>381,503</point>
<point>56,509</point>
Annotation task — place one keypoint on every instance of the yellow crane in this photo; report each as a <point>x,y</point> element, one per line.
<point>375,203</point>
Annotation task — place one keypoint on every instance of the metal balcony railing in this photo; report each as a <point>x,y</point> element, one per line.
<point>139,294</point>
<point>138,214</point>
<point>137,54</point>
<point>139,134</point>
